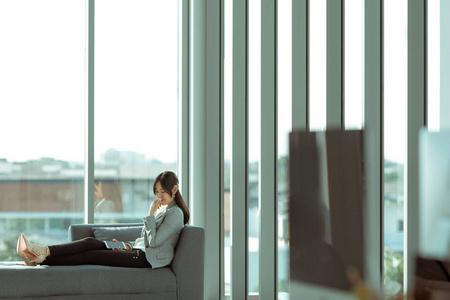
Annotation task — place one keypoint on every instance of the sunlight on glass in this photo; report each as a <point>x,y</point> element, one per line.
<point>434,60</point>
<point>136,112</point>
<point>42,80</point>
<point>354,63</point>
<point>395,79</point>
<point>318,64</point>
<point>136,77</point>
<point>42,92</point>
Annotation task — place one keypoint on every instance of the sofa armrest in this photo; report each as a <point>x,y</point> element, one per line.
<point>188,263</point>
<point>79,231</point>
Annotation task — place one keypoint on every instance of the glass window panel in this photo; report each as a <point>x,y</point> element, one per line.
<point>317,64</point>
<point>42,91</point>
<point>434,60</point>
<point>354,63</point>
<point>395,110</point>
<point>254,146</point>
<point>136,117</point>
<point>284,111</point>
<point>228,106</point>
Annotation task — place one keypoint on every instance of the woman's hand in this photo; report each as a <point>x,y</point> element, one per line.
<point>154,207</point>
<point>98,191</point>
<point>127,245</point>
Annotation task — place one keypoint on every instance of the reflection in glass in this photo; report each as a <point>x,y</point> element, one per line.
<point>135,103</point>
<point>42,124</point>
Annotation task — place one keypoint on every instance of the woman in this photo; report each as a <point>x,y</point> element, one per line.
<point>155,247</point>
<point>106,203</point>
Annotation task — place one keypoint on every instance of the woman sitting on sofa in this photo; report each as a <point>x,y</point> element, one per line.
<point>154,249</point>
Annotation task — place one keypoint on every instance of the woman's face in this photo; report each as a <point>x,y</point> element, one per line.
<point>162,195</point>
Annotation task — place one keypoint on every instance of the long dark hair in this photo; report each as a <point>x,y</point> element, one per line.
<point>168,180</point>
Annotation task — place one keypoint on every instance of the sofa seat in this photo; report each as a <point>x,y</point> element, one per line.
<point>181,280</point>
<point>48,281</point>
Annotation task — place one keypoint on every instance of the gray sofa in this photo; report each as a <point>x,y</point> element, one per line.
<point>182,280</point>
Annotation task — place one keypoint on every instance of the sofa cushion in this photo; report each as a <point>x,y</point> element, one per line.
<point>46,281</point>
<point>125,234</point>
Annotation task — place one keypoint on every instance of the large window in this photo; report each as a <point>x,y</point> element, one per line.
<point>42,120</point>
<point>135,104</point>
<point>42,91</point>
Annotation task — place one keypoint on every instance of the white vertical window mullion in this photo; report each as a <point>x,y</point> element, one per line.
<point>197,111</point>
<point>267,171</point>
<point>214,149</point>
<point>300,81</point>
<point>197,132</point>
<point>373,130</point>
<point>183,98</point>
<point>239,158</point>
<point>334,64</point>
<point>415,120</point>
<point>89,125</point>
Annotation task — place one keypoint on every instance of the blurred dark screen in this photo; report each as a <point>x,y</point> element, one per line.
<point>432,280</point>
<point>326,206</point>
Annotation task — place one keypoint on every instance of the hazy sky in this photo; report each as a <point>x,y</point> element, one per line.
<point>42,76</point>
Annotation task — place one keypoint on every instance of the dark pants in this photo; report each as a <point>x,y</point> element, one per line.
<point>91,251</point>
